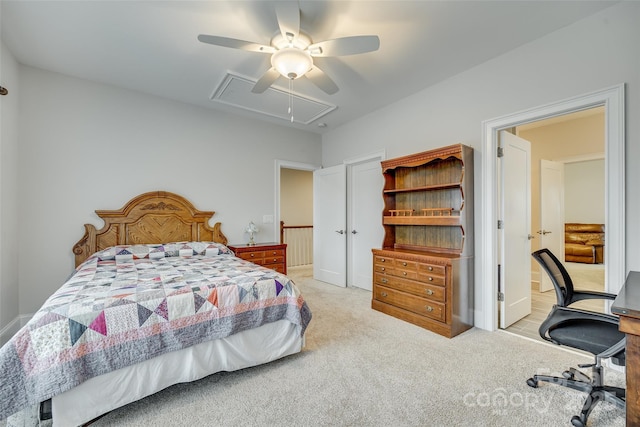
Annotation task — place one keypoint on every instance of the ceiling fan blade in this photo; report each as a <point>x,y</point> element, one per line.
<point>288,13</point>
<point>320,79</point>
<point>266,81</point>
<point>345,46</point>
<point>235,44</point>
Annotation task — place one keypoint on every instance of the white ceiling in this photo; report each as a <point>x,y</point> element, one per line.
<point>151,46</point>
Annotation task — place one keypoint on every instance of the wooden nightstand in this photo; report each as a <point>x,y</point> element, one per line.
<point>270,255</point>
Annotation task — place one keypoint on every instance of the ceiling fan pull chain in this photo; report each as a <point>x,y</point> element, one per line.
<point>291,99</point>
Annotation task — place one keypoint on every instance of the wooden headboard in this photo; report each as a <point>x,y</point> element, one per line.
<point>155,217</point>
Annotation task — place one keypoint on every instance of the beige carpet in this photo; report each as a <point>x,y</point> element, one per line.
<point>364,368</point>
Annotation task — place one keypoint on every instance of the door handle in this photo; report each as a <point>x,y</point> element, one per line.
<point>530,236</point>
<point>340,231</point>
<point>354,232</point>
<point>543,232</point>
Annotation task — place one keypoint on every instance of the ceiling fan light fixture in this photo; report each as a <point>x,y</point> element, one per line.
<point>292,62</point>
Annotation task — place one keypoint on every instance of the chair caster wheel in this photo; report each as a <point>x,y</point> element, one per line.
<point>576,421</point>
<point>532,383</point>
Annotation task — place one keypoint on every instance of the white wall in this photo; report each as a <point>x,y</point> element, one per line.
<point>563,141</point>
<point>9,195</point>
<point>87,146</point>
<point>584,194</point>
<point>595,53</point>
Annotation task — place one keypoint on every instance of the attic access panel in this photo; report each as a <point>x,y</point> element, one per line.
<point>235,90</point>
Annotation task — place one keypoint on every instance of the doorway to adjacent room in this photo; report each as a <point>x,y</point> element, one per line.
<point>566,175</point>
<point>490,238</point>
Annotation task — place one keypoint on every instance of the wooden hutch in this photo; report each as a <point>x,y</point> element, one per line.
<point>424,272</point>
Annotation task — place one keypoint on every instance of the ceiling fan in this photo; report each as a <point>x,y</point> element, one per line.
<point>292,51</point>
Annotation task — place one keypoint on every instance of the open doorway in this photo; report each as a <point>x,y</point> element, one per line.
<point>296,215</point>
<point>294,211</point>
<point>574,144</point>
<point>489,273</point>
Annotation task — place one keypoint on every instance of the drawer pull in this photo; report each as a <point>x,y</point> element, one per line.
<point>430,268</point>
<point>404,264</point>
<point>252,255</point>
<point>429,292</point>
<point>429,308</point>
<point>384,281</point>
<point>382,259</point>
<point>404,273</point>
<point>384,294</point>
<point>382,269</point>
<point>430,279</point>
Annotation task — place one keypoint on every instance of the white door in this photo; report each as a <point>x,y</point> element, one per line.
<point>329,225</point>
<point>515,247</point>
<point>551,233</point>
<point>365,224</point>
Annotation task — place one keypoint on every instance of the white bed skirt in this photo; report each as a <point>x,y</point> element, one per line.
<point>107,392</point>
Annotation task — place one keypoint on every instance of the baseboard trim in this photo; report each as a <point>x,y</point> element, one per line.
<point>8,331</point>
<point>13,327</point>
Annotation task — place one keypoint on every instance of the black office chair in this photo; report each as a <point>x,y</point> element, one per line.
<point>562,283</point>
<point>595,333</point>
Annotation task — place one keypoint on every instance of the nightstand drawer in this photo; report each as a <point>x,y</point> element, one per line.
<point>252,256</point>
<point>268,260</point>
<point>274,253</point>
<point>277,267</point>
<point>270,255</point>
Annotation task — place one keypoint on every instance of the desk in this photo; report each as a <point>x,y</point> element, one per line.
<point>627,306</point>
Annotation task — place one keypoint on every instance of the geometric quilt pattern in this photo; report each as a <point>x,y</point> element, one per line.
<point>125,296</point>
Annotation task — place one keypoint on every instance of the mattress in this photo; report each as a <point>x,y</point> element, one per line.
<point>104,393</point>
<point>135,319</point>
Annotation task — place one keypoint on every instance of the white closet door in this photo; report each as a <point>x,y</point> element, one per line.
<point>365,221</point>
<point>329,225</point>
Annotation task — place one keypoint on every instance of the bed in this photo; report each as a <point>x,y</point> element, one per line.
<point>156,299</point>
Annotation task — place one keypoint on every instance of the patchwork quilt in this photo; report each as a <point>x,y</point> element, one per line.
<point>127,304</point>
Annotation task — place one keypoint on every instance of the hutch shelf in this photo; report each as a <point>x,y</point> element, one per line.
<point>423,273</point>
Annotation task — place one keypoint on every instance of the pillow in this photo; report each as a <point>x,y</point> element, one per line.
<point>185,249</point>
<point>154,251</point>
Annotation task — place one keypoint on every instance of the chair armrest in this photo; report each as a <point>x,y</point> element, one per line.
<point>584,295</point>
<point>579,313</point>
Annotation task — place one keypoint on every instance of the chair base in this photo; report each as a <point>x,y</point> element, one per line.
<point>595,390</point>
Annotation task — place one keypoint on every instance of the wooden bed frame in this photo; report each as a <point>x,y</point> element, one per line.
<point>163,217</point>
<point>154,217</point>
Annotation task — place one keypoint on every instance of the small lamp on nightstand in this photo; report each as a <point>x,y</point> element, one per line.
<point>251,229</point>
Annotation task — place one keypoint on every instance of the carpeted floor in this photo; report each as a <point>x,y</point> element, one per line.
<point>363,368</point>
